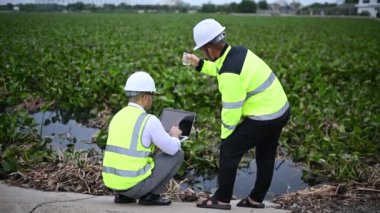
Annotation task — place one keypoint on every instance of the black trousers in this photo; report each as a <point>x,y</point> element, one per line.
<point>264,136</point>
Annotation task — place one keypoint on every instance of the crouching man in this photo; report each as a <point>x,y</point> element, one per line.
<point>129,166</point>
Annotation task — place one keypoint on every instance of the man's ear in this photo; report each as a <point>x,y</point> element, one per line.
<point>144,96</point>
<point>210,53</point>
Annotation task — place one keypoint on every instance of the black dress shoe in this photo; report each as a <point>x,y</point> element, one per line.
<point>124,199</point>
<point>154,200</point>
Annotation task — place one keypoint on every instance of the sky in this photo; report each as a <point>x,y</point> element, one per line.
<point>192,2</point>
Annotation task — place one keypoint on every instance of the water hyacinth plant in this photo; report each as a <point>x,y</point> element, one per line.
<point>328,67</point>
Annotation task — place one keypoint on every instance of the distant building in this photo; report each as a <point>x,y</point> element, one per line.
<point>370,6</point>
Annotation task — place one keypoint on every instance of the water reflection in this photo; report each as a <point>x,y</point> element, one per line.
<point>287,178</point>
<point>65,132</point>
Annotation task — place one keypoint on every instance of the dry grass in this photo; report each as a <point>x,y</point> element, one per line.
<point>101,120</point>
<point>76,172</point>
<point>174,192</point>
<point>33,104</point>
<point>81,172</point>
<point>352,197</point>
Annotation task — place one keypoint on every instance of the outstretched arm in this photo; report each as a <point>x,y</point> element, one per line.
<point>204,66</point>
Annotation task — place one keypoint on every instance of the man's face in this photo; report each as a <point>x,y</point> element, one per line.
<point>207,52</point>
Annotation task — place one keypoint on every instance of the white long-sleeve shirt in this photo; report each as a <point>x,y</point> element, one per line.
<point>155,132</point>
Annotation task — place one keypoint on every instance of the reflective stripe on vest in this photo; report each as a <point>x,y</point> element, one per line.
<point>127,173</point>
<point>136,130</point>
<point>232,105</point>
<point>263,86</point>
<point>129,152</point>
<point>272,115</point>
<point>229,126</point>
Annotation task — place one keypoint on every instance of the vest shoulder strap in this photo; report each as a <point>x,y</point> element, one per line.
<point>234,60</point>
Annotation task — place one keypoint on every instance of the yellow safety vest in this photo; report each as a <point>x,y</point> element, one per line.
<point>126,161</point>
<point>248,86</point>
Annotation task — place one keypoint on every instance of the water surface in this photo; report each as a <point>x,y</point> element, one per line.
<point>68,132</point>
<point>64,132</point>
<point>286,178</point>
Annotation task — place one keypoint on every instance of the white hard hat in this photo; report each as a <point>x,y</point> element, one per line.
<point>140,82</point>
<point>205,31</point>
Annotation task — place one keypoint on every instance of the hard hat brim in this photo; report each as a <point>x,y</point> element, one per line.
<point>150,92</point>
<point>202,44</point>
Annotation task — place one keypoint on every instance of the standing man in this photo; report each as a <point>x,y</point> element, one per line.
<point>254,111</point>
<point>128,165</point>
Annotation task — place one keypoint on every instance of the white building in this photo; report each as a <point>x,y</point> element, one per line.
<point>370,6</point>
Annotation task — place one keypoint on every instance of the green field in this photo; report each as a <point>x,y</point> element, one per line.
<point>328,67</point>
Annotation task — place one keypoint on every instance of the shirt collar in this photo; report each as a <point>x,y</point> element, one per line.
<point>136,105</point>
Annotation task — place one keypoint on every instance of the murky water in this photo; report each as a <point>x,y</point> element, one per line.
<point>64,132</point>
<point>286,178</point>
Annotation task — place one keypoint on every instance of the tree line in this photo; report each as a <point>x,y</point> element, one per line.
<point>245,6</point>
